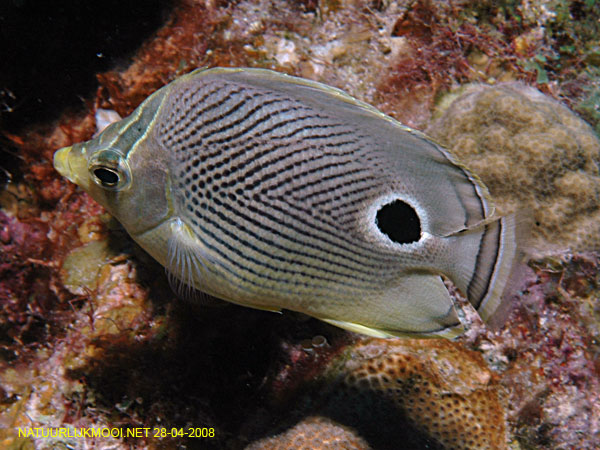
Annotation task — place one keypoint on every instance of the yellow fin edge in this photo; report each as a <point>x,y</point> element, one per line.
<point>448,333</point>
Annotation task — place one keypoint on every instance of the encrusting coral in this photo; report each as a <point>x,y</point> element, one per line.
<point>443,390</point>
<point>533,154</point>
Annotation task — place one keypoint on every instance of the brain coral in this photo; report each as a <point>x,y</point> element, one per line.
<point>534,154</point>
<point>313,433</point>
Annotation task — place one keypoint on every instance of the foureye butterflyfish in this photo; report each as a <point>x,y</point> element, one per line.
<point>276,192</point>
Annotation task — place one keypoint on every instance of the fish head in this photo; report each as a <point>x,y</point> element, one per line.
<point>124,169</point>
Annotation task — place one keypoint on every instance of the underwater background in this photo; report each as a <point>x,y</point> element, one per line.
<point>91,335</point>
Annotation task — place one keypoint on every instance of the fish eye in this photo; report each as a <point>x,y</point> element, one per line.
<point>399,221</point>
<point>107,177</point>
<point>109,169</point>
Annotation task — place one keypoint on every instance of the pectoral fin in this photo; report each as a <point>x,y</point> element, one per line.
<point>187,262</point>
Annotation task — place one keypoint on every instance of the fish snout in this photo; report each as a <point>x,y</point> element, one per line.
<point>71,163</point>
<point>61,162</point>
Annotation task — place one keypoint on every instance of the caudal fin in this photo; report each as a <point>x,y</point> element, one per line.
<point>487,266</point>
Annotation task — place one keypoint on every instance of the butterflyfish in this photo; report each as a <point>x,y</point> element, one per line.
<point>276,192</point>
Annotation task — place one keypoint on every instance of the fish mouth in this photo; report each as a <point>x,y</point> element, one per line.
<point>61,162</point>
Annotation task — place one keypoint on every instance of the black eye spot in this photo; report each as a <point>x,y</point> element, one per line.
<point>107,177</point>
<point>399,221</point>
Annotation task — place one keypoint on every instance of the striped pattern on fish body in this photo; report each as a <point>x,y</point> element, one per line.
<point>276,192</point>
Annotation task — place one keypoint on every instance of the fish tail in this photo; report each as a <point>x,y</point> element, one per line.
<point>488,264</point>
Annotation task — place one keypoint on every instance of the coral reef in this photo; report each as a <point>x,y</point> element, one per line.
<point>534,155</point>
<point>91,335</point>
<point>423,393</point>
<point>535,383</point>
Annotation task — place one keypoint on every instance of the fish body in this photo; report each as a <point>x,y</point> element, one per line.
<point>275,192</point>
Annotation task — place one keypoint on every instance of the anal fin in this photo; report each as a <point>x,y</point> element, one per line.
<point>417,305</point>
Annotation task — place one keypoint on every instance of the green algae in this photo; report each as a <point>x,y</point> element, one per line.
<point>82,266</point>
<point>589,107</point>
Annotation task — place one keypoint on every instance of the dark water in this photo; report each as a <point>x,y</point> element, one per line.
<point>52,50</point>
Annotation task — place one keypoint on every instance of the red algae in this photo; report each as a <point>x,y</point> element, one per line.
<point>548,355</point>
<point>441,47</point>
<point>24,279</point>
